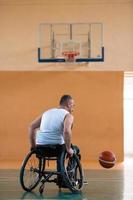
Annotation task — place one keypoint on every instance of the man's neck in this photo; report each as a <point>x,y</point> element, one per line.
<point>64,107</point>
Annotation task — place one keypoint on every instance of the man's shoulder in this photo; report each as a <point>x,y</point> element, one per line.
<point>51,109</point>
<point>70,116</point>
<point>57,110</point>
<point>63,110</point>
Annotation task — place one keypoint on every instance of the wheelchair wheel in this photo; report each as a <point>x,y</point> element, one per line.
<point>31,170</point>
<point>72,172</point>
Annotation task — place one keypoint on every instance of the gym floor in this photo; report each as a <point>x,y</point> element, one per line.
<point>103,184</point>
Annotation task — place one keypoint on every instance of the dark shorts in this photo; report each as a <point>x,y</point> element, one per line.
<point>51,150</point>
<point>55,150</point>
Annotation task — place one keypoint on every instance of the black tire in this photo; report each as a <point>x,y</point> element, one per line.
<point>31,171</point>
<point>72,172</point>
<point>41,189</point>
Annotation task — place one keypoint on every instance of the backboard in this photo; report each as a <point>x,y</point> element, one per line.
<point>84,39</point>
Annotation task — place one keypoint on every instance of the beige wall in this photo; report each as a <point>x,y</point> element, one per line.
<point>98,95</point>
<point>19,22</point>
<point>98,113</point>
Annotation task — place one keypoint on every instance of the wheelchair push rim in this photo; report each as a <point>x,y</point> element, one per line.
<point>72,172</point>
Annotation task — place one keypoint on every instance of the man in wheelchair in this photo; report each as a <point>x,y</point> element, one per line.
<point>51,134</point>
<point>54,125</point>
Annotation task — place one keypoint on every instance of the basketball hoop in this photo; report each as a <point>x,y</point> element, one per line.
<point>70,55</point>
<point>70,49</point>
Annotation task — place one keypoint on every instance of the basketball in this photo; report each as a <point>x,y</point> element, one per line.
<point>107,159</point>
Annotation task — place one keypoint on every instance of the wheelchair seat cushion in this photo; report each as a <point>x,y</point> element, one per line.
<point>50,150</point>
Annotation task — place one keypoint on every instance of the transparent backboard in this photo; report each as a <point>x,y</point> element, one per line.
<point>84,38</point>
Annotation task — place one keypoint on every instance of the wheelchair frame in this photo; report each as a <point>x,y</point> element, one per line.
<point>33,171</point>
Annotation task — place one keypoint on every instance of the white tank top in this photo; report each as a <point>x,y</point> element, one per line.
<point>51,127</point>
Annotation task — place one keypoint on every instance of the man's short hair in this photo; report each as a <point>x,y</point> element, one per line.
<point>64,99</point>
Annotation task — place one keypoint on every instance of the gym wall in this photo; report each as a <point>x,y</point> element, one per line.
<point>19,23</point>
<point>96,87</point>
<point>98,123</point>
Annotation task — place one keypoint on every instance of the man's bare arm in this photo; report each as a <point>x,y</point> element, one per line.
<point>32,130</point>
<point>68,133</point>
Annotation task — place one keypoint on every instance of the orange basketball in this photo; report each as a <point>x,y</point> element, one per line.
<point>107,159</point>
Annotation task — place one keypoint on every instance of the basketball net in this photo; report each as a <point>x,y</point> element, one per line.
<point>70,50</point>
<point>70,56</point>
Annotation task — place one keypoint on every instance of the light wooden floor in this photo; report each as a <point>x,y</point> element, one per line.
<point>113,184</point>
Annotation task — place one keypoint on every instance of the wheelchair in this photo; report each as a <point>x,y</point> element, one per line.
<point>34,171</point>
